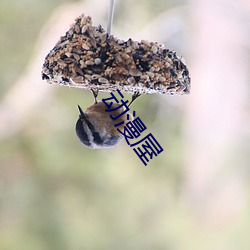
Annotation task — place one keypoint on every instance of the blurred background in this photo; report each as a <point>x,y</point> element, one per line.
<point>57,194</point>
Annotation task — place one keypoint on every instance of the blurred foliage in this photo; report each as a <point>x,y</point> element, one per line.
<point>20,23</point>
<point>56,194</point>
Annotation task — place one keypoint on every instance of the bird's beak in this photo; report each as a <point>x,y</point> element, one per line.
<point>82,115</point>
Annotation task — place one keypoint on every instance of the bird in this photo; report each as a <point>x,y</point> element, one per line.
<point>95,128</point>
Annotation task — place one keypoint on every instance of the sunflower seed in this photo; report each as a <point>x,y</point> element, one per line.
<point>77,29</point>
<point>77,57</point>
<point>61,62</point>
<point>84,29</point>
<point>88,62</point>
<point>85,46</point>
<point>131,80</point>
<point>68,54</point>
<point>150,74</point>
<point>78,70</point>
<point>95,76</point>
<point>144,78</point>
<point>154,49</point>
<point>69,60</point>
<point>77,79</point>
<point>134,72</point>
<point>145,42</point>
<point>103,80</point>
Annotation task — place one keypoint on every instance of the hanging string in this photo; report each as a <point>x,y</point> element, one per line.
<point>110,15</point>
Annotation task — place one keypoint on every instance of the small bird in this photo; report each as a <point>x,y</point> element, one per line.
<point>95,128</point>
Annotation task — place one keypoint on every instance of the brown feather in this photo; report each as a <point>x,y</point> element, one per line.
<point>102,119</point>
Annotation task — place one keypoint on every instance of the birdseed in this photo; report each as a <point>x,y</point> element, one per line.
<point>88,57</point>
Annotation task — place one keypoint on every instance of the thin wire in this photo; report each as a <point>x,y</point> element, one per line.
<point>110,15</point>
